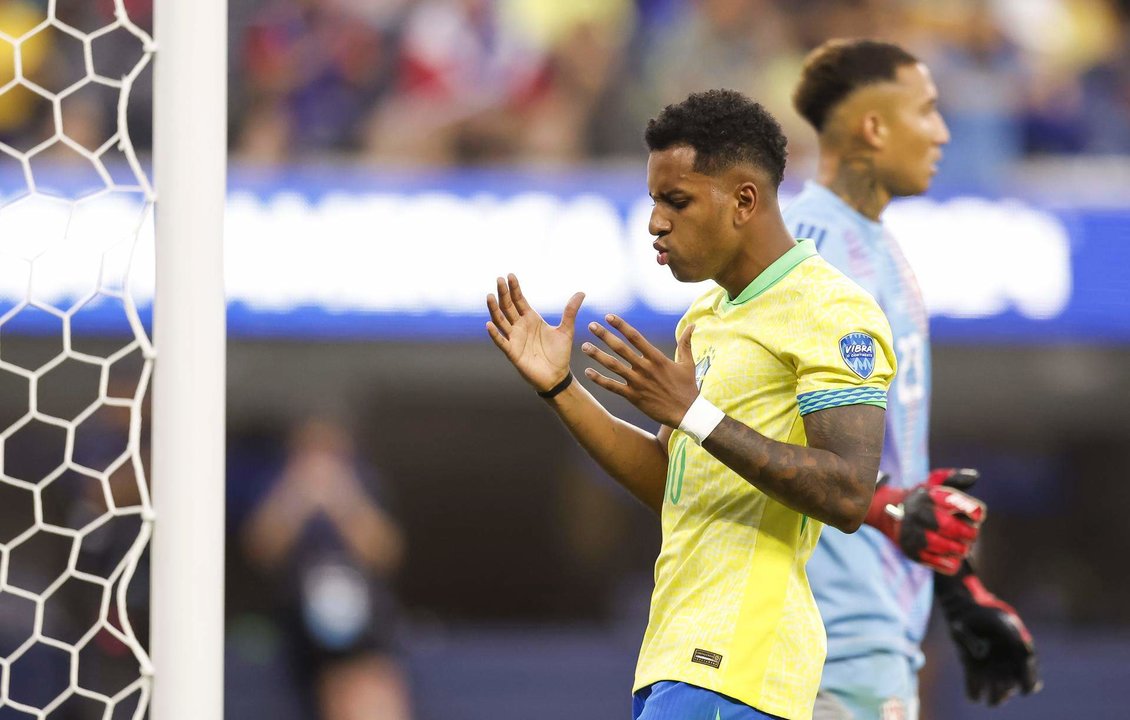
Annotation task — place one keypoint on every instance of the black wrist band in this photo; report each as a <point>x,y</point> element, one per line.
<point>556,389</point>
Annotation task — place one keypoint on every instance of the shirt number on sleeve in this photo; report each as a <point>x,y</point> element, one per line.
<point>911,352</point>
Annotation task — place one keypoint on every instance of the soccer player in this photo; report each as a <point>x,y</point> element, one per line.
<point>874,108</point>
<point>771,417</point>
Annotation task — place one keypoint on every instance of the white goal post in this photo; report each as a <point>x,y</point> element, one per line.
<point>190,142</point>
<point>86,240</point>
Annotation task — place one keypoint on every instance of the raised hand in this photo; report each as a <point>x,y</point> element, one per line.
<point>538,351</point>
<point>660,387</point>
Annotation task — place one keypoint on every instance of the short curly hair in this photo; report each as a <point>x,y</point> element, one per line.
<point>725,128</point>
<point>838,68</point>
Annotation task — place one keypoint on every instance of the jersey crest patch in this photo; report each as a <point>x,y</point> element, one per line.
<point>702,367</point>
<point>858,351</point>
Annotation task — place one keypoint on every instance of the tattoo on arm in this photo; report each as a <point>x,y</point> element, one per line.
<point>831,480</point>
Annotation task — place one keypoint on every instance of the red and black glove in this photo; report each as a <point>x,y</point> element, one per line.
<point>995,647</point>
<point>934,523</point>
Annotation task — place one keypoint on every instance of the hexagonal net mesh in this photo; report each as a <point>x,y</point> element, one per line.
<point>76,239</point>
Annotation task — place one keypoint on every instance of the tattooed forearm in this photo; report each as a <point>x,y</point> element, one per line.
<point>831,480</point>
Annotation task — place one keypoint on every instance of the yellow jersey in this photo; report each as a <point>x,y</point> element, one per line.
<point>732,610</point>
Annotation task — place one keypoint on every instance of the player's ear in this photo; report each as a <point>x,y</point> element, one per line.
<point>874,130</point>
<point>747,197</point>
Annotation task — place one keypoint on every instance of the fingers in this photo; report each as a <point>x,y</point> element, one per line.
<point>958,504</point>
<point>961,503</point>
<point>943,545</point>
<point>963,478</point>
<point>1030,682</point>
<point>974,685</point>
<point>499,339</point>
<point>506,301</point>
<point>998,682</point>
<point>1000,689</point>
<point>500,322</point>
<point>960,478</point>
<point>607,383</point>
<point>616,365</point>
<point>635,337</point>
<point>684,352</point>
<point>617,345</point>
<point>569,314</point>
<point>955,529</point>
<point>516,292</point>
<point>944,564</point>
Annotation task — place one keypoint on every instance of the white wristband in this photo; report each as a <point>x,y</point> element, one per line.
<point>701,419</point>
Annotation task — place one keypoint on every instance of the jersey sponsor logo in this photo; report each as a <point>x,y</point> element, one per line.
<point>705,657</point>
<point>858,351</point>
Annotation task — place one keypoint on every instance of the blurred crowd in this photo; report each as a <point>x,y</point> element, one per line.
<point>544,81</point>
<point>551,82</point>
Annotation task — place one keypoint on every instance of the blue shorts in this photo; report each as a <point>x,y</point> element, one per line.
<point>667,700</point>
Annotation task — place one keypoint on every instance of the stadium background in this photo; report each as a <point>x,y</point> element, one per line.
<point>509,129</point>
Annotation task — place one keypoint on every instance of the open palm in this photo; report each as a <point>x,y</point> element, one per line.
<point>538,351</point>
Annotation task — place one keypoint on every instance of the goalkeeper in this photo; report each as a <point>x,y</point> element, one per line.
<point>874,108</point>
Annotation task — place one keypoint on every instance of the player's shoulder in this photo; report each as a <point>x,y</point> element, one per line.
<point>814,203</point>
<point>817,272</point>
<point>825,290</point>
<point>820,215</point>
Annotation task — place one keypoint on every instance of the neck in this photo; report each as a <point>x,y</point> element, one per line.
<point>765,245</point>
<point>853,178</point>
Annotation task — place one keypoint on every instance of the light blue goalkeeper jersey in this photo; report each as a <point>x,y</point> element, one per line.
<point>871,597</point>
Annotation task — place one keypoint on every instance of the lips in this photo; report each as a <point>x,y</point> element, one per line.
<point>661,253</point>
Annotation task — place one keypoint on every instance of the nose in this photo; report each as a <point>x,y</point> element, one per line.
<point>943,131</point>
<point>658,225</point>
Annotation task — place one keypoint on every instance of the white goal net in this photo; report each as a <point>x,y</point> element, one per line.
<point>76,237</point>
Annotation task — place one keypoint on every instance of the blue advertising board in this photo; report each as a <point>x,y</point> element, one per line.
<point>354,254</point>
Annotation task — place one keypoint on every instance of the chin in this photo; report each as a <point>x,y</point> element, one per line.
<point>682,273</point>
<point>911,189</point>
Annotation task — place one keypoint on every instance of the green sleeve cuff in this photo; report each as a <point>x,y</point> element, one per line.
<point>810,402</point>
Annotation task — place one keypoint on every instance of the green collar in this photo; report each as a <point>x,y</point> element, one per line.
<point>773,274</point>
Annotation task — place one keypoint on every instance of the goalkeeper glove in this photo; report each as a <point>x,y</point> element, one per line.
<point>995,647</point>
<point>934,523</point>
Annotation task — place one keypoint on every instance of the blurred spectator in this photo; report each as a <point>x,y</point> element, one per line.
<point>22,112</point>
<point>1060,41</point>
<point>461,74</point>
<point>438,82</point>
<point>981,79</point>
<point>310,70</point>
<point>744,45</point>
<point>584,42</point>
<point>1106,92</point>
<point>330,549</point>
